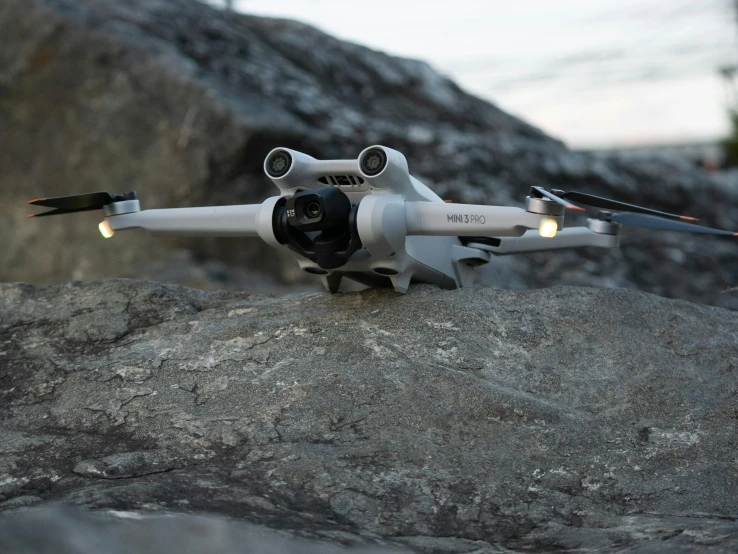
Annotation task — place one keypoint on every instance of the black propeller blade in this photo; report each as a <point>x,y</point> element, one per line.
<point>607,204</point>
<point>629,214</point>
<point>540,192</point>
<point>653,222</point>
<point>79,202</point>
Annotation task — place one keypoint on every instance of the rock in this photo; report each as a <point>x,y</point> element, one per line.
<point>68,531</point>
<point>126,465</point>
<point>181,102</point>
<point>476,420</point>
<point>21,502</point>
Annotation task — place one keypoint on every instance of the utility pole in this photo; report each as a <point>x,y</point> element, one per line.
<point>728,73</point>
<point>229,5</point>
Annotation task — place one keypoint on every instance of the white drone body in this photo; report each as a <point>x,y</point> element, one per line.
<point>370,221</point>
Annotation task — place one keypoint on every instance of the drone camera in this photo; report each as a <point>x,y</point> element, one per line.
<point>315,210</point>
<point>319,225</point>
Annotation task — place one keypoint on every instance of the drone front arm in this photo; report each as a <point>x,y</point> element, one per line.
<point>215,221</point>
<point>531,241</point>
<point>468,220</point>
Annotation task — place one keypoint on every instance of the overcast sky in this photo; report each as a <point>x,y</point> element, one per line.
<point>592,72</point>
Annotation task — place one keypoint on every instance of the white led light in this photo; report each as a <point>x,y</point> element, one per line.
<point>548,228</point>
<point>105,229</point>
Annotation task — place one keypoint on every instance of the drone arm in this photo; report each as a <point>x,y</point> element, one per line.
<point>437,219</point>
<point>216,221</point>
<point>531,241</point>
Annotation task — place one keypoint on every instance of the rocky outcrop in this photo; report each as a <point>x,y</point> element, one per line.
<point>181,102</point>
<point>63,530</point>
<point>440,421</point>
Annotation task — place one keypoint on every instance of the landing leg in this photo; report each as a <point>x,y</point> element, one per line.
<point>402,281</point>
<point>331,282</point>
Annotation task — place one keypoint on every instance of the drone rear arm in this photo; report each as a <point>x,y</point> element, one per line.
<point>215,221</point>
<point>465,220</point>
<point>531,241</point>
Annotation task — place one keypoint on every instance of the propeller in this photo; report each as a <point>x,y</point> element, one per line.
<point>659,223</point>
<point>79,202</point>
<point>608,204</point>
<point>629,215</point>
<point>540,193</point>
<point>559,196</point>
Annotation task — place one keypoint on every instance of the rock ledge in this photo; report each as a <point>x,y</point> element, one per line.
<point>441,421</point>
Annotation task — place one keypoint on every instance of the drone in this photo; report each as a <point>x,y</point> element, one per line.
<point>370,221</point>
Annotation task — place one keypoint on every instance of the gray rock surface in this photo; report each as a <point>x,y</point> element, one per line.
<point>73,531</point>
<point>477,420</point>
<point>181,102</point>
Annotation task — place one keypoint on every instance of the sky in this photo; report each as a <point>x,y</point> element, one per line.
<point>595,73</point>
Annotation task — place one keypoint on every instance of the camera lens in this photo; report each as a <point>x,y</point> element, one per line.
<point>313,210</point>
<point>373,161</point>
<point>279,164</point>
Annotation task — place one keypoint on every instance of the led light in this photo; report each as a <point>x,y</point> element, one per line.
<point>548,228</point>
<point>105,229</point>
